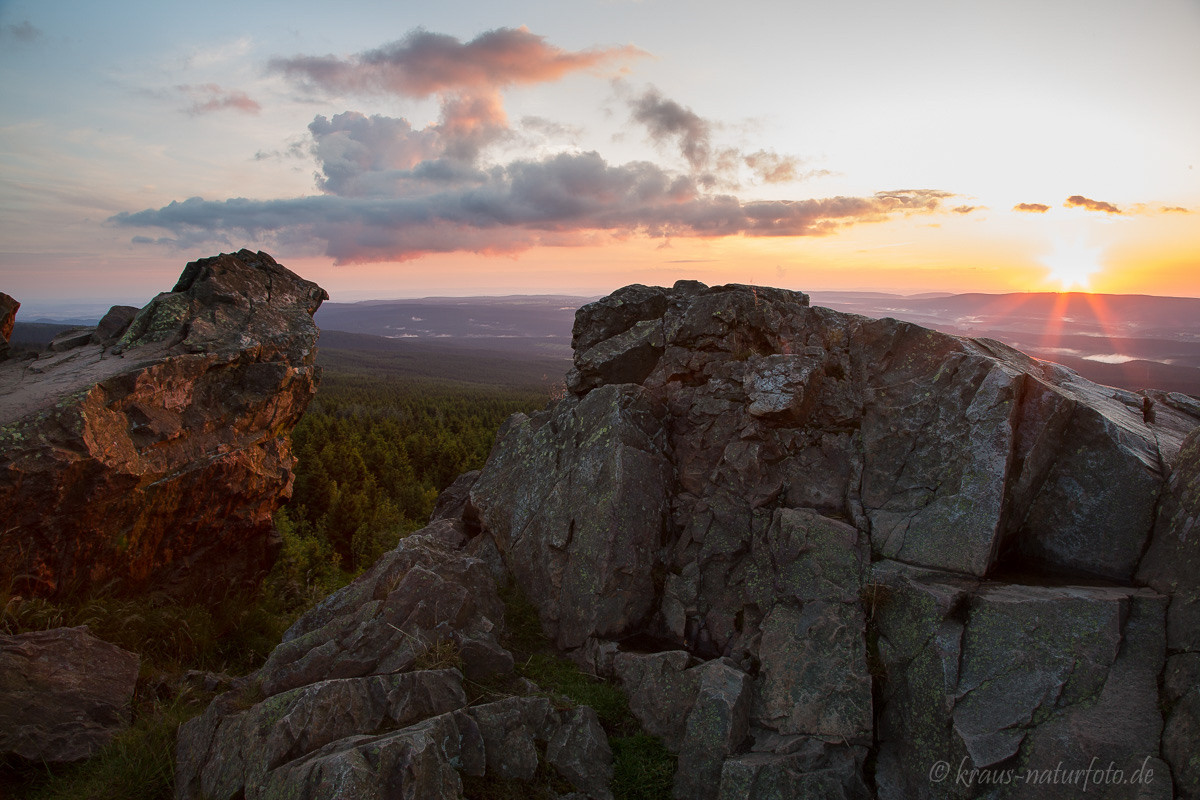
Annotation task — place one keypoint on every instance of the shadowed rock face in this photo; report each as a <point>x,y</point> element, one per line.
<point>826,502</point>
<point>822,553</point>
<point>152,454</point>
<point>65,694</point>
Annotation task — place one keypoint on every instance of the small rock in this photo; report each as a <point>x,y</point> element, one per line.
<point>64,694</point>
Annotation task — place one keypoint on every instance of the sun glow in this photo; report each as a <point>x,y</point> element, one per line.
<point>1072,263</point>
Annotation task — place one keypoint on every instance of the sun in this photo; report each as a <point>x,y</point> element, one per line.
<point>1072,263</point>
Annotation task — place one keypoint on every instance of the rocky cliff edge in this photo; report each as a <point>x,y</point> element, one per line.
<point>150,452</point>
<point>826,556</point>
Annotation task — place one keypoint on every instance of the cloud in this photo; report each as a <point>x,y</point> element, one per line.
<point>1176,210</point>
<point>667,120</point>
<point>209,97</point>
<point>964,209</point>
<point>423,64</point>
<point>389,191</point>
<point>23,32</point>
<point>1032,208</point>
<point>550,129</point>
<point>1079,201</point>
<point>466,77</point>
<point>565,199</point>
<point>771,167</point>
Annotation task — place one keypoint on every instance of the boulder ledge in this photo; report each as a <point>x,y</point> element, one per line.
<point>151,453</point>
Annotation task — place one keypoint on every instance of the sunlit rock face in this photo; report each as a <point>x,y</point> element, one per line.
<point>151,452</point>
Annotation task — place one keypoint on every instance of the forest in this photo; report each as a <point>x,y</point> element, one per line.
<point>381,438</point>
<point>373,452</point>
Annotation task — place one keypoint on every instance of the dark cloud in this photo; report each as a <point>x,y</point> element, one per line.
<point>1079,201</point>
<point>209,97</point>
<point>1032,208</point>
<point>23,32</point>
<point>668,121</point>
<point>564,199</point>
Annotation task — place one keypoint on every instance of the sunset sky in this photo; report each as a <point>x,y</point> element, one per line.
<point>401,149</point>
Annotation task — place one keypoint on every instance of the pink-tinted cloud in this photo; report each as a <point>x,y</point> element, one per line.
<point>466,76</point>
<point>209,97</point>
<point>1032,208</point>
<point>1079,201</point>
<point>423,64</point>
<point>771,167</point>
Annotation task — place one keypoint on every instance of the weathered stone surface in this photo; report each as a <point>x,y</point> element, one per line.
<point>365,696</point>
<point>781,768</point>
<point>63,694</point>
<point>717,724</point>
<point>579,751</point>
<point>70,339</point>
<point>728,465</point>
<point>1013,676</point>
<point>661,691</point>
<point>791,446</point>
<point>575,500</point>
<point>1181,731</point>
<point>814,676</point>
<point>159,468</point>
<point>113,324</point>
<point>295,723</point>
<point>1172,562</point>
<point>8,315</point>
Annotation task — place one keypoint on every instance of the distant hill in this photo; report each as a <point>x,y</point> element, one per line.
<point>1131,341</point>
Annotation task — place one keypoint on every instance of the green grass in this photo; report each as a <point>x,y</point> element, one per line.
<point>643,769</point>
<point>138,764</point>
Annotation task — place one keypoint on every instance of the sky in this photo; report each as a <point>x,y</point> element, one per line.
<point>404,149</point>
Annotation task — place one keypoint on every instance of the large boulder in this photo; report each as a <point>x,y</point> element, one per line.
<point>64,694</point>
<point>151,453</point>
<point>731,462</point>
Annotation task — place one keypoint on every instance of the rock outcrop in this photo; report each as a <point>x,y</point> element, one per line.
<point>8,314</point>
<point>365,698</point>
<point>826,556</point>
<point>151,451</point>
<point>64,694</point>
